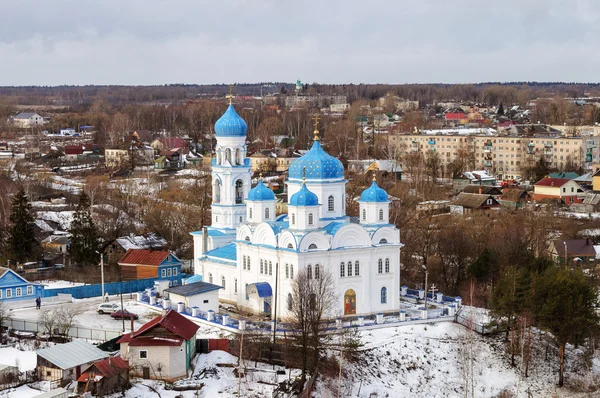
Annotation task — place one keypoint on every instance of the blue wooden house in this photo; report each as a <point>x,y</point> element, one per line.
<point>158,264</point>
<point>14,287</point>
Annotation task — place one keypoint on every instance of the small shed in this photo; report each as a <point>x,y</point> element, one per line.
<point>55,393</point>
<point>103,377</point>
<point>203,295</point>
<point>64,362</point>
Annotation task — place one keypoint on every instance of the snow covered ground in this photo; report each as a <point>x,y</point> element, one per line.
<point>62,218</point>
<point>25,360</point>
<point>59,284</point>
<point>427,361</point>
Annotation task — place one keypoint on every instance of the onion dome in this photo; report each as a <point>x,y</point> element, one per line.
<point>304,197</point>
<point>261,192</point>
<point>319,164</point>
<point>231,124</point>
<point>374,194</point>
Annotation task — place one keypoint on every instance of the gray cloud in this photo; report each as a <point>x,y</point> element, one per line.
<point>197,41</point>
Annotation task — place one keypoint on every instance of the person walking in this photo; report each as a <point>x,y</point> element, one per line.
<point>38,302</point>
<point>106,297</point>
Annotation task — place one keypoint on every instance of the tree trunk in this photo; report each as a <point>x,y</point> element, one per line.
<point>561,369</point>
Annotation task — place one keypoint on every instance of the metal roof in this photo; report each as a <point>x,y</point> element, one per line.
<point>227,252</point>
<point>191,289</point>
<point>69,355</point>
<point>263,289</point>
<point>192,279</point>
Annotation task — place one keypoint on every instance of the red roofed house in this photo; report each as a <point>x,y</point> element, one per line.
<point>73,152</point>
<point>142,264</point>
<point>104,377</point>
<point>456,116</point>
<point>564,189</point>
<point>161,349</point>
<point>168,143</point>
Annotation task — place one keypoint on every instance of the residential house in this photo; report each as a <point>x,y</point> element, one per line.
<point>263,161</point>
<point>117,248</point>
<point>563,189</point>
<point>14,287</point>
<point>26,119</point>
<point>57,243</point>
<point>144,136</point>
<point>596,181</point>
<point>573,252</point>
<point>142,264</point>
<point>3,146</point>
<point>116,157</point>
<point>564,174</point>
<point>73,152</point>
<point>162,348</point>
<point>381,167</point>
<point>64,362</point>
<point>168,143</point>
<point>483,189</point>
<point>513,198</point>
<point>468,202</point>
<point>590,204</point>
<point>69,131</point>
<point>169,160</point>
<point>104,377</point>
<point>203,295</point>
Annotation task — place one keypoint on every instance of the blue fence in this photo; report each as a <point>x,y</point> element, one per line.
<point>111,288</point>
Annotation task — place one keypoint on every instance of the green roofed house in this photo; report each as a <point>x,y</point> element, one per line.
<point>569,175</point>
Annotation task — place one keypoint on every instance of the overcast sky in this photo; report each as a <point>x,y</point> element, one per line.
<point>142,42</point>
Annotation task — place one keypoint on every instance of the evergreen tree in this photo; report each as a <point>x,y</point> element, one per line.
<point>21,238</point>
<point>564,303</point>
<point>501,110</point>
<point>84,236</point>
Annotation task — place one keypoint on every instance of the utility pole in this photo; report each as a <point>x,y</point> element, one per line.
<point>426,274</point>
<point>275,310</point>
<point>240,363</point>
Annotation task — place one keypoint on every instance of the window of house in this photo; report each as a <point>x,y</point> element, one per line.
<point>317,271</point>
<point>330,203</point>
<point>380,214</point>
<point>174,271</point>
<point>29,290</point>
<point>169,272</point>
<point>356,268</point>
<point>387,265</point>
<point>572,189</point>
<point>310,219</point>
<point>163,273</point>
<point>383,295</point>
<point>19,292</point>
<point>223,282</point>
<point>235,285</point>
<point>0,293</point>
<point>349,269</point>
<point>143,354</point>
<point>380,266</point>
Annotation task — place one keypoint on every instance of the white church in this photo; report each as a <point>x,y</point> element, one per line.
<point>248,247</point>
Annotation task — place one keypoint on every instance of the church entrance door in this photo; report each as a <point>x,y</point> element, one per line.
<point>267,307</point>
<point>349,302</point>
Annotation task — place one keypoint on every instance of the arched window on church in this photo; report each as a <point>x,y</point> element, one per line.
<point>247,291</point>
<point>238,158</point>
<point>247,238</point>
<point>387,265</point>
<point>364,214</point>
<point>250,213</point>
<point>380,214</point>
<point>248,263</point>
<point>270,268</point>
<point>309,271</point>
<point>287,271</point>
<point>291,271</point>
<point>342,270</point>
<point>223,281</point>
<point>343,202</point>
<point>241,219</point>
<point>293,218</point>
<point>330,203</point>
<point>383,295</point>
<point>217,191</point>
<point>310,219</point>
<point>382,241</point>
<point>379,266</point>
<point>235,285</point>
<point>290,303</point>
<point>210,279</point>
<point>267,213</point>
<point>312,246</point>
<point>228,155</point>
<point>239,191</point>
<point>244,261</point>
<point>290,246</point>
<point>349,268</point>
<point>261,266</point>
<point>317,271</point>
<point>356,268</point>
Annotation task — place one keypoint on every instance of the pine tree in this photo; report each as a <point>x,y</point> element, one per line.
<point>501,110</point>
<point>84,236</point>
<point>21,238</point>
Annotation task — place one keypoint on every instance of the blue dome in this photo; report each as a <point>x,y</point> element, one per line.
<point>318,163</point>
<point>261,192</point>
<point>374,194</point>
<point>304,198</point>
<point>231,124</point>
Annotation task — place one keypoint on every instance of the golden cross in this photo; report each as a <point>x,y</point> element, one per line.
<point>230,96</point>
<point>304,175</point>
<point>316,119</point>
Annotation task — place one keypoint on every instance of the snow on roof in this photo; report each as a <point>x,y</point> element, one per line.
<point>148,241</point>
<point>227,252</point>
<point>192,289</point>
<point>69,355</point>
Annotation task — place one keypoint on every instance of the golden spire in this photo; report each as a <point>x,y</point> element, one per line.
<point>374,176</point>
<point>230,96</point>
<point>316,120</point>
<point>260,176</point>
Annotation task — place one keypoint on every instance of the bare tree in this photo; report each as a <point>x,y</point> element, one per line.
<point>313,303</point>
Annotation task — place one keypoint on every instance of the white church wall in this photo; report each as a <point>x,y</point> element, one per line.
<point>323,191</point>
